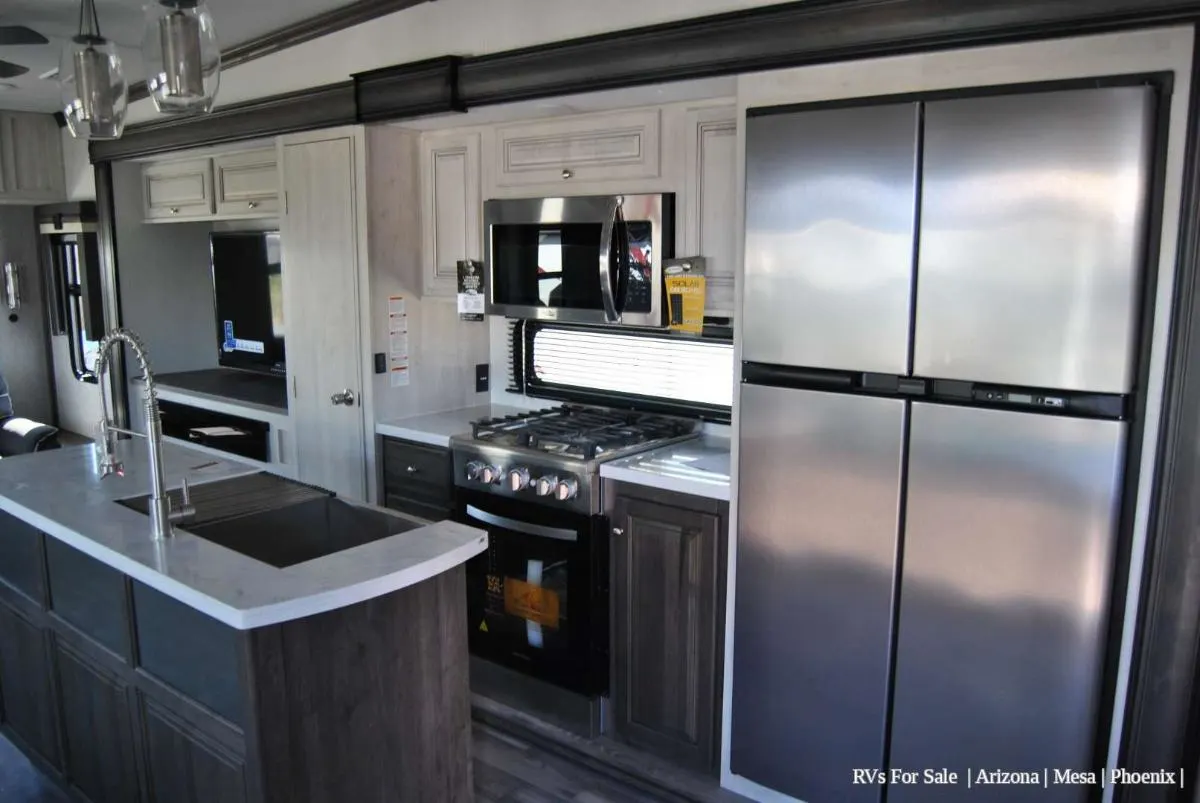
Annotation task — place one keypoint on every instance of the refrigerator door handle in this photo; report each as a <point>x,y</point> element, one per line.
<point>611,221</point>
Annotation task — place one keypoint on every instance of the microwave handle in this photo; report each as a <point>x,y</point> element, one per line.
<point>611,221</point>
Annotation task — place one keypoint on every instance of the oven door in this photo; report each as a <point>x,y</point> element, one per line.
<point>590,259</point>
<point>537,599</point>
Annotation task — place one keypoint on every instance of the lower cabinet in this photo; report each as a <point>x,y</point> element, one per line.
<point>185,766</point>
<point>668,554</point>
<point>97,729</point>
<point>26,689</point>
<point>417,479</point>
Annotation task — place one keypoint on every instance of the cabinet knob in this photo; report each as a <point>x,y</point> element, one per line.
<point>252,204</point>
<point>411,469</point>
<point>174,210</point>
<point>617,531</point>
<point>567,174</point>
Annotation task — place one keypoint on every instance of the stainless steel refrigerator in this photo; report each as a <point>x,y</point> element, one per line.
<point>941,310</point>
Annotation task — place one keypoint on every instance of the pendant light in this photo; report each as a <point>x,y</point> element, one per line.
<point>183,60</point>
<point>94,91</point>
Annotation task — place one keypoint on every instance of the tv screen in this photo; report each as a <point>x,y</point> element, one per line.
<point>248,287</point>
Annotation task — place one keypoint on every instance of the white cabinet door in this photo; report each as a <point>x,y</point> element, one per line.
<point>562,156</point>
<point>31,161</point>
<point>319,231</point>
<point>451,203</point>
<point>177,190</point>
<point>246,184</point>
<point>710,202</point>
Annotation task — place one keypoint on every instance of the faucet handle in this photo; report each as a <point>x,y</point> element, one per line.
<point>185,509</point>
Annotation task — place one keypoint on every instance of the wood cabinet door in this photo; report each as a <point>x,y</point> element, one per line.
<point>185,766</point>
<point>710,202</point>
<point>451,203</point>
<point>97,729</point>
<point>178,190</point>
<point>667,603</point>
<point>31,154</point>
<point>565,156</point>
<point>246,184</point>
<point>321,307</point>
<point>26,688</point>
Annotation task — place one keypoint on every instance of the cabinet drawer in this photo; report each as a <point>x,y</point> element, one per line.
<point>21,557</point>
<point>89,595</point>
<point>583,149</point>
<point>417,472</point>
<point>246,184</point>
<point>418,508</point>
<point>178,190</point>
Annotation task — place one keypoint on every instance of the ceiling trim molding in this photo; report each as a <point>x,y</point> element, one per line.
<point>298,33</point>
<point>791,35</point>
<point>320,107</point>
<point>409,90</point>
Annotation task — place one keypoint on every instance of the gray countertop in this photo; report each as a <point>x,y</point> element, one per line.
<point>700,467</point>
<point>61,493</point>
<point>435,429</point>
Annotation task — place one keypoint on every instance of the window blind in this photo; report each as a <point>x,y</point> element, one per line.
<point>671,368</point>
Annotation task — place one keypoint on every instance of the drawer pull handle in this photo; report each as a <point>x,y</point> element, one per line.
<point>411,469</point>
<point>252,204</point>
<point>567,174</point>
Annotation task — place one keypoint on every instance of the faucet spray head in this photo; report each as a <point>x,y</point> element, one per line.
<point>105,443</point>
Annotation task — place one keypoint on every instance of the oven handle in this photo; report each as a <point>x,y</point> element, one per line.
<point>606,249</point>
<point>558,533</point>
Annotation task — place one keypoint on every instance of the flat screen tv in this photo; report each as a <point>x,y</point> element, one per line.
<point>248,289</point>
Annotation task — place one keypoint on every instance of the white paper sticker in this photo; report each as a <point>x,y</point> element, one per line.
<point>470,303</point>
<point>399,377</point>
<point>251,346</point>
<point>398,343</point>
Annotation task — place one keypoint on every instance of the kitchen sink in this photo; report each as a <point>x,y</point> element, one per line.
<point>278,521</point>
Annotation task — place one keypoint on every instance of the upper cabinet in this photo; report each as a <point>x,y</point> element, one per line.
<point>709,202</point>
<point>451,206</point>
<point>578,155</point>
<point>246,184</point>
<point>178,190</point>
<point>224,187</point>
<point>31,160</point>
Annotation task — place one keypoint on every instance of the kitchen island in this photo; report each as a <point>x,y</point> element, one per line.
<point>184,670</point>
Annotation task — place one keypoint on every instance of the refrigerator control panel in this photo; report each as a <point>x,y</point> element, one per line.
<point>1011,397</point>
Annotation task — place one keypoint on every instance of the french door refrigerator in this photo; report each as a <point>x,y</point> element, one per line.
<point>940,314</point>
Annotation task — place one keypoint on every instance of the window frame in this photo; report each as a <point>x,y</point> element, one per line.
<point>525,381</point>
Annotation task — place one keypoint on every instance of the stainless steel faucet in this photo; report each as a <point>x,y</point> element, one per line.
<point>161,514</point>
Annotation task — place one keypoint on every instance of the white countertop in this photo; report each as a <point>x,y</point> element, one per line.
<point>699,467</point>
<point>435,429</point>
<point>61,494</point>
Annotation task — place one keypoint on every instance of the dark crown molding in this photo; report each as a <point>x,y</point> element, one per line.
<point>321,107</point>
<point>791,35</point>
<point>409,90</point>
<point>304,31</point>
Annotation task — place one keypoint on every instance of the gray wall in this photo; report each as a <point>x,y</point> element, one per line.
<point>24,345</point>
<point>166,285</point>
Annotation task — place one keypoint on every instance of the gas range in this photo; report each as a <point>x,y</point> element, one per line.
<point>553,456</point>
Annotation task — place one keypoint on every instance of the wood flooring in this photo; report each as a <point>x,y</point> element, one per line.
<point>506,771</point>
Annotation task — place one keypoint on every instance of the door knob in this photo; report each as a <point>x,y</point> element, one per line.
<point>345,397</point>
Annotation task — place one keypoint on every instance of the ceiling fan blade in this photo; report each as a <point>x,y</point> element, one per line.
<point>20,35</point>
<point>10,70</point>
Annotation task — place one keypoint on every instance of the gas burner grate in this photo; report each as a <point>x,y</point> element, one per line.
<point>581,432</point>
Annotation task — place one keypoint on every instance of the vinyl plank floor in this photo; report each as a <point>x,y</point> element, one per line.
<point>507,770</point>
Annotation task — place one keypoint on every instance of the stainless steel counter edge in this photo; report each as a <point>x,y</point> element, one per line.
<point>435,429</point>
<point>639,470</point>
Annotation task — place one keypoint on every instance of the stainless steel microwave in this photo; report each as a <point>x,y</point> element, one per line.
<point>587,259</point>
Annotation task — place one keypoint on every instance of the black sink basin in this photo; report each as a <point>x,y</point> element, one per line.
<point>280,522</point>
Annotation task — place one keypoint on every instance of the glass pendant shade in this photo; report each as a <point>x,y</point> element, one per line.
<point>182,58</point>
<point>94,91</point>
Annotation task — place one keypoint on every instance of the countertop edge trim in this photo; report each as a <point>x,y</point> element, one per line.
<point>414,435</point>
<point>653,480</point>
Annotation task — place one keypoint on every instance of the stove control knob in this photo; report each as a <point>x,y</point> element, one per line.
<point>518,479</point>
<point>473,470</point>
<point>566,489</point>
<point>489,474</point>
<point>544,486</point>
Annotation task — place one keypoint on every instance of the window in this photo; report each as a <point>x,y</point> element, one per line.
<point>669,372</point>
<point>76,311</point>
